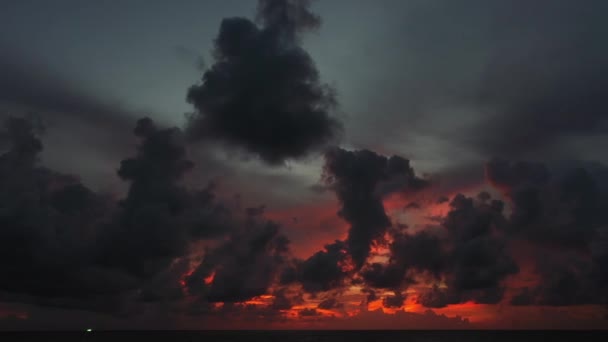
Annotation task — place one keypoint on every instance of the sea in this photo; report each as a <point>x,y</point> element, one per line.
<point>314,336</point>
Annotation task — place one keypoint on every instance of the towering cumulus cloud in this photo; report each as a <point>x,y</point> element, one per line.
<point>245,266</point>
<point>263,92</point>
<point>49,222</point>
<point>62,244</point>
<point>477,260</point>
<point>148,232</point>
<point>468,256</point>
<point>360,180</point>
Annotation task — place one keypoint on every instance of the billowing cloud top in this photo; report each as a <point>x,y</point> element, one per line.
<point>263,92</point>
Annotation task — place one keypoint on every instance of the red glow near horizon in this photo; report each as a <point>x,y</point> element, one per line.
<point>475,313</point>
<point>314,226</point>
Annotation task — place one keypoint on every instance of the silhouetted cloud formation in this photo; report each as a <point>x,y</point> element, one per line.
<point>395,301</point>
<point>245,266</point>
<point>419,252</point>
<point>479,260</point>
<point>330,303</point>
<point>82,249</point>
<point>527,80</point>
<point>147,233</point>
<point>471,258</point>
<point>49,222</point>
<point>263,92</point>
<point>360,179</point>
<point>563,211</point>
<point>64,245</point>
<point>323,271</point>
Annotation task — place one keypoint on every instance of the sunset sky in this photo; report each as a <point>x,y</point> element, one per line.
<point>284,164</point>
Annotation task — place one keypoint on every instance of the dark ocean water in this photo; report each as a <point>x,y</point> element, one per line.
<point>312,336</point>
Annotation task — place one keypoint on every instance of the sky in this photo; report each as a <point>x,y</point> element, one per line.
<point>283,164</point>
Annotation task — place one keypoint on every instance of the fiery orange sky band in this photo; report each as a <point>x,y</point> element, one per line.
<point>356,313</point>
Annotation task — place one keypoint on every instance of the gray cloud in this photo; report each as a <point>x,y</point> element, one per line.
<point>263,93</point>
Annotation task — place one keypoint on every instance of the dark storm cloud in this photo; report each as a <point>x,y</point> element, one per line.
<point>395,301</point>
<point>285,299</point>
<point>371,294</point>
<point>470,257</point>
<point>306,312</point>
<point>565,281</point>
<point>478,260</point>
<point>360,179</point>
<point>244,266</point>
<point>323,271</point>
<point>484,196</point>
<point>64,245</point>
<point>49,223</point>
<point>436,298</point>
<point>263,92</point>
<point>546,76</point>
<point>559,209</point>
<point>420,252</point>
<point>562,211</point>
<point>514,175</point>
<point>150,229</point>
<point>329,304</point>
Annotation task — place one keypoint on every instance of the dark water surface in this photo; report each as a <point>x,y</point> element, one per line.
<point>312,336</point>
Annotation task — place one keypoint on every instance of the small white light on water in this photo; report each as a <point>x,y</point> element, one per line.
<point>89,330</point>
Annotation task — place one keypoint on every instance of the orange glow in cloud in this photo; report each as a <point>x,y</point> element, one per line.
<point>475,313</point>
<point>185,276</point>
<point>294,312</point>
<point>395,206</point>
<point>260,300</point>
<point>482,316</point>
<point>209,279</point>
<point>311,227</point>
<point>379,305</point>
